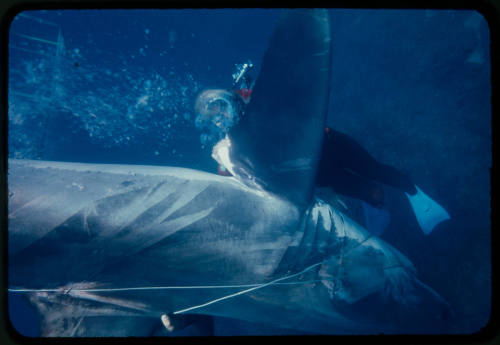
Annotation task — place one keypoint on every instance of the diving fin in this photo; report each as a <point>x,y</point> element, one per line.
<point>376,219</point>
<point>428,212</point>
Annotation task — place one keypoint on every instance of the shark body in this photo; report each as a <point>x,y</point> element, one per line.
<point>105,250</point>
<point>142,241</point>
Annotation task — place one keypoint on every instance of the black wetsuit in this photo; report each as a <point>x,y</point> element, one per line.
<point>350,170</point>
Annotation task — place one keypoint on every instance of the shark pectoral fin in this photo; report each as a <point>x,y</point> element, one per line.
<point>428,212</point>
<point>277,143</point>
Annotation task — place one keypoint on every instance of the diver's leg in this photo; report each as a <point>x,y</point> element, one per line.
<point>347,183</point>
<point>371,194</point>
<point>353,156</point>
<point>392,177</point>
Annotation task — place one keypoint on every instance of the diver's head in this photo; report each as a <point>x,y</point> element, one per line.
<point>216,112</point>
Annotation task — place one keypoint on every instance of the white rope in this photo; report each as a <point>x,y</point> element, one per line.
<point>35,290</point>
<point>157,287</point>
<point>252,288</point>
<point>246,291</point>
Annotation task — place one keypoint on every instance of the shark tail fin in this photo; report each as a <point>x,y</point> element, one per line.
<point>428,212</point>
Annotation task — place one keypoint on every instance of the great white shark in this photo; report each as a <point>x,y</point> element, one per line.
<point>106,250</point>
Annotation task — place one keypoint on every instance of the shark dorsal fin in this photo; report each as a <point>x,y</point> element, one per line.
<point>277,143</point>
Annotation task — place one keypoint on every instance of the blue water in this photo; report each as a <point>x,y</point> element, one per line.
<point>412,86</point>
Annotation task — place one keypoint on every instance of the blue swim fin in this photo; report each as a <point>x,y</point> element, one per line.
<point>376,219</point>
<point>428,212</point>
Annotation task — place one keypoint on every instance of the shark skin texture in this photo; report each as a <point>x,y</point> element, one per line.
<point>142,241</point>
<point>105,250</point>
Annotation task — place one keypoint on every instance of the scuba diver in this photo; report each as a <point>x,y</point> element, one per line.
<point>345,166</point>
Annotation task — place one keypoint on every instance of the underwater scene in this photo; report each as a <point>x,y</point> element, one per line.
<point>198,172</point>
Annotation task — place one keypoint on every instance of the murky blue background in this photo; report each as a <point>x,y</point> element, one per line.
<point>412,86</point>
